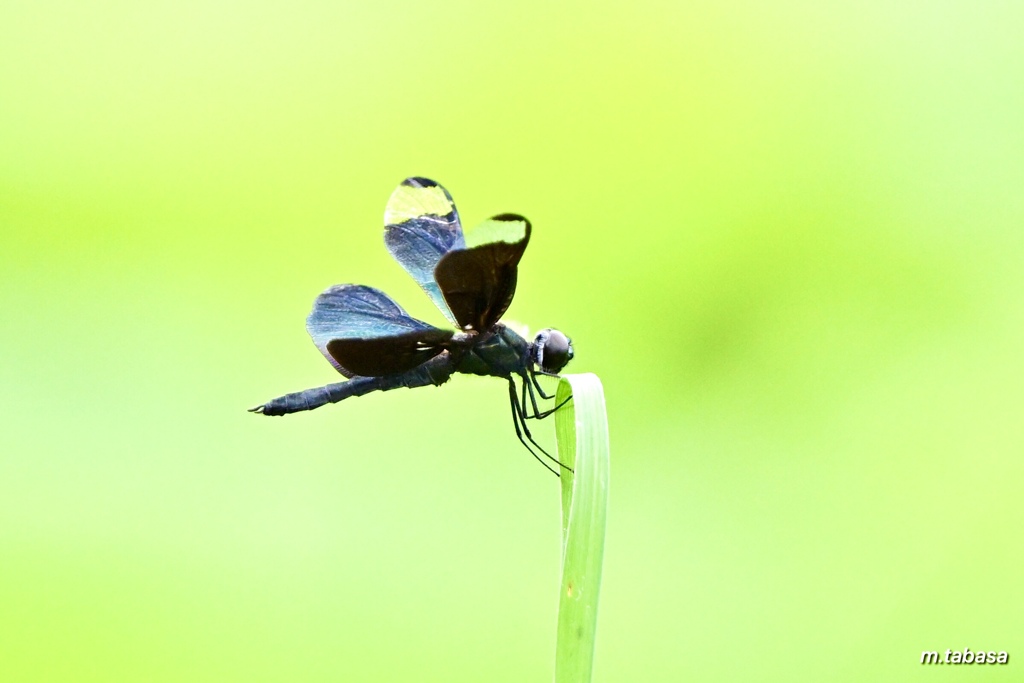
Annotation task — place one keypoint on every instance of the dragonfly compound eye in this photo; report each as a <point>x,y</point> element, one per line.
<point>553,350</point>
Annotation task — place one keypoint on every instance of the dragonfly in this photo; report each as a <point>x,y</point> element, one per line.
<point>471,277</point>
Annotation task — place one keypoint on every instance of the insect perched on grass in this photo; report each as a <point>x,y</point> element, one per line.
<point>369,338</point>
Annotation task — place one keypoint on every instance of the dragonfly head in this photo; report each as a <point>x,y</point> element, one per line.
<point>552,350</point>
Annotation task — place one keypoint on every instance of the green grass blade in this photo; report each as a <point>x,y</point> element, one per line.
<point>581,428</point>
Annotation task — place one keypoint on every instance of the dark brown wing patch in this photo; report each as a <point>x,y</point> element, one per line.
<point>387,355</point>
<point>478,283</point>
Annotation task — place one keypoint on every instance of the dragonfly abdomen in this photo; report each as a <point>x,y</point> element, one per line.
<point>435,371</point>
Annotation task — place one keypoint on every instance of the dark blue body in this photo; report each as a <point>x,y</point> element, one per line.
<point>500,352</point>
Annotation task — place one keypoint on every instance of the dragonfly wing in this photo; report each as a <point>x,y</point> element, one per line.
<point>479,282</point>
<point>362,331</point>
<point>421,225</point>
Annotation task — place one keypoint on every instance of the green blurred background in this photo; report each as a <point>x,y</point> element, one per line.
<point>787,236</point>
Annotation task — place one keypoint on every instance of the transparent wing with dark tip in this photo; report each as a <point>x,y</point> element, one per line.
<point>478,282</point>
<point>421,225</point>
<point>362,331</point>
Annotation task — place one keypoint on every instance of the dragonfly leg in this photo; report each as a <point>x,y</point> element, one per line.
<point>516,419</point>
<point>526,415</point>
<point>528,386</point>
<point>540,389</point>
<point>550,411</point>
<point>537,413</point>
<point>518,410</point>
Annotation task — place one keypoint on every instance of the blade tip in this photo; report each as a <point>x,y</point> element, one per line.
<point>418,181</point>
